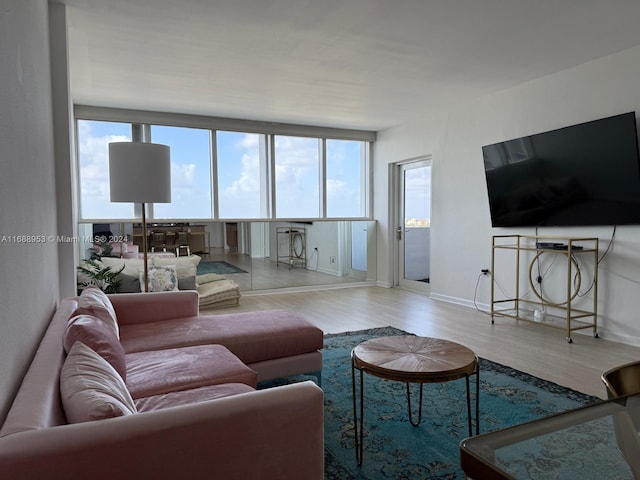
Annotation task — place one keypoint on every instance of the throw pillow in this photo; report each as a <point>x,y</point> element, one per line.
<point>99,337</point>
<point>185,266</point>
<point>161,279</point>
<point>129,283</point>
<point>187,283</point>
<point>93,301</point>
<point>91,389</point>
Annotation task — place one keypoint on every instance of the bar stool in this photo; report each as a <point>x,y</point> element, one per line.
<point>182,243</point>
<point>158,240</point>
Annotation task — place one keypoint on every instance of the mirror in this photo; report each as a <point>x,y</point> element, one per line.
<point>272,255</point>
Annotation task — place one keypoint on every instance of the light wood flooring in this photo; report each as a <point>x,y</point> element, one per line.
<point>267,274</point>
<point>535,349</point>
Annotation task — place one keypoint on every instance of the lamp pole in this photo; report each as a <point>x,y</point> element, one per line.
<point>140,172</point>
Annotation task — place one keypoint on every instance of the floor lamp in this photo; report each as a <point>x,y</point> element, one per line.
<point>140,173</point>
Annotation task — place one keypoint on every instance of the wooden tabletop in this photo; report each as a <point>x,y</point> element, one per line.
<point>409,358</point>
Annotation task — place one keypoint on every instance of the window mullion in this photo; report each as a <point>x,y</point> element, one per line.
<point>213,155</point>
<point>365,198</point>
<point>322,145</point>
<point>271,176</point>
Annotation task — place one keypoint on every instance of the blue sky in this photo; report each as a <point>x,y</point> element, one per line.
<point>417,185</point>
<point>241,191</point>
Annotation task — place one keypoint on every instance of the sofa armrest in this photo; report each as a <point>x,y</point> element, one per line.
<point>154,306</point>
<point>272,433</point>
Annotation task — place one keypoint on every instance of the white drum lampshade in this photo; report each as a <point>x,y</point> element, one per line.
<point>139,172</point>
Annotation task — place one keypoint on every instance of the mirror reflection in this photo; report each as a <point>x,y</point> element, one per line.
<point>257,255</point>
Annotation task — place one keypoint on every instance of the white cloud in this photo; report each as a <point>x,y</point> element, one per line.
<point>93,155</point>
<point>297,165</point>
<point>250,141</point>
<point>182,175</point>
<point>249,181</point>
<point>241,198</point>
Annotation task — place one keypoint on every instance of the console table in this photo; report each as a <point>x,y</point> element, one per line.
<point>530,303</point>
<point>296,248</point>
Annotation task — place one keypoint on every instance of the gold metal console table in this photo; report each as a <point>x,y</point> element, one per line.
<point>561,314</point>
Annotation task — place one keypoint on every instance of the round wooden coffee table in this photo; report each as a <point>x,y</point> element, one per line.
<point>412,359</point>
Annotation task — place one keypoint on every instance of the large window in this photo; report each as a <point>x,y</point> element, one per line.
<point>247,175</point>
<point>190,173</point>
<point>93,168</point>
<point>297,173</point>
<point>241,167</point>
<point>346,178</point>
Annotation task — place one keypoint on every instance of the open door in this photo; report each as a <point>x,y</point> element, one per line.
<point>413,225</point>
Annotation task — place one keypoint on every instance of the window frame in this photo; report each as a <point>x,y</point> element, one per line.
<point>268,130</point>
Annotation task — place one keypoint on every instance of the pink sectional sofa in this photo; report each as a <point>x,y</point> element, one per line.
<point>180,399</point>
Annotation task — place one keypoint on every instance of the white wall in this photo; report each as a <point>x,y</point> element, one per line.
<point>461,227</point>
<point>322,235</point>
<point>28,271</point>
<point>63,140</point>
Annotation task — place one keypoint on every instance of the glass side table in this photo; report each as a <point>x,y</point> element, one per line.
<point>597,441</point>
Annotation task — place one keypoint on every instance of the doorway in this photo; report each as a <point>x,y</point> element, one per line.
<point>413,225</point>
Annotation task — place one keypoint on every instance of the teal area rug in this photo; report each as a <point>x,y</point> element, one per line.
<point>393,449</point>
<point>218,267</point>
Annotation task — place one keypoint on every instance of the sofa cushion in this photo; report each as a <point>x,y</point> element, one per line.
<point>213,293</point>
<point>185,266</point>
<point>91,389</point>
<point>130,265</point>
<point>252,336</point>
<point>93,301</point>
<point>208,278</point>
<point>162,371</point>
<point>190,396</point>
<point>161,279</point>
<point>99,337</point>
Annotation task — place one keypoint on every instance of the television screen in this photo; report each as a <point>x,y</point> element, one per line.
<point>586,174</point>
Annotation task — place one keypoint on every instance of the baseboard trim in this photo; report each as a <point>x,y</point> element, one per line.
<point>308,288</point>
<point>461,301</point>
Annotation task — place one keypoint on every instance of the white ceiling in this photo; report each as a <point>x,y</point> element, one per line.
<point>365,64</point>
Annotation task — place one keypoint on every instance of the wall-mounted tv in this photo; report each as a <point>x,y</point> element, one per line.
<point>586,174</point>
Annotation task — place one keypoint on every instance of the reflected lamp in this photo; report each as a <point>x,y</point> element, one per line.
<point>140,173</point>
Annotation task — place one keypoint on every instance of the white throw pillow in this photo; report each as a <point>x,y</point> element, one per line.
<point>161,279</point>
<point>91,389</point>
<point>185,266</point>
<point>130,265</point>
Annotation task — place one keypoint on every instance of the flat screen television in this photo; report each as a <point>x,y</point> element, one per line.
<point>582,175</point>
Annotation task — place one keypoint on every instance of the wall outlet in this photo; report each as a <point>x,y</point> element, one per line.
<point>332,259</point>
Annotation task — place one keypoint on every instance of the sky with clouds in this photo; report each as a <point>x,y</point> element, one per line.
<point>240,174</point>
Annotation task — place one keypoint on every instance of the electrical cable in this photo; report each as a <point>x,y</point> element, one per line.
<point>539,278</point>
<point>500,287</point>
<point>606,251</point>
<point>577,276</point>
<point>613,235</point>
<point>315,253</point>
<point>475,295</point>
